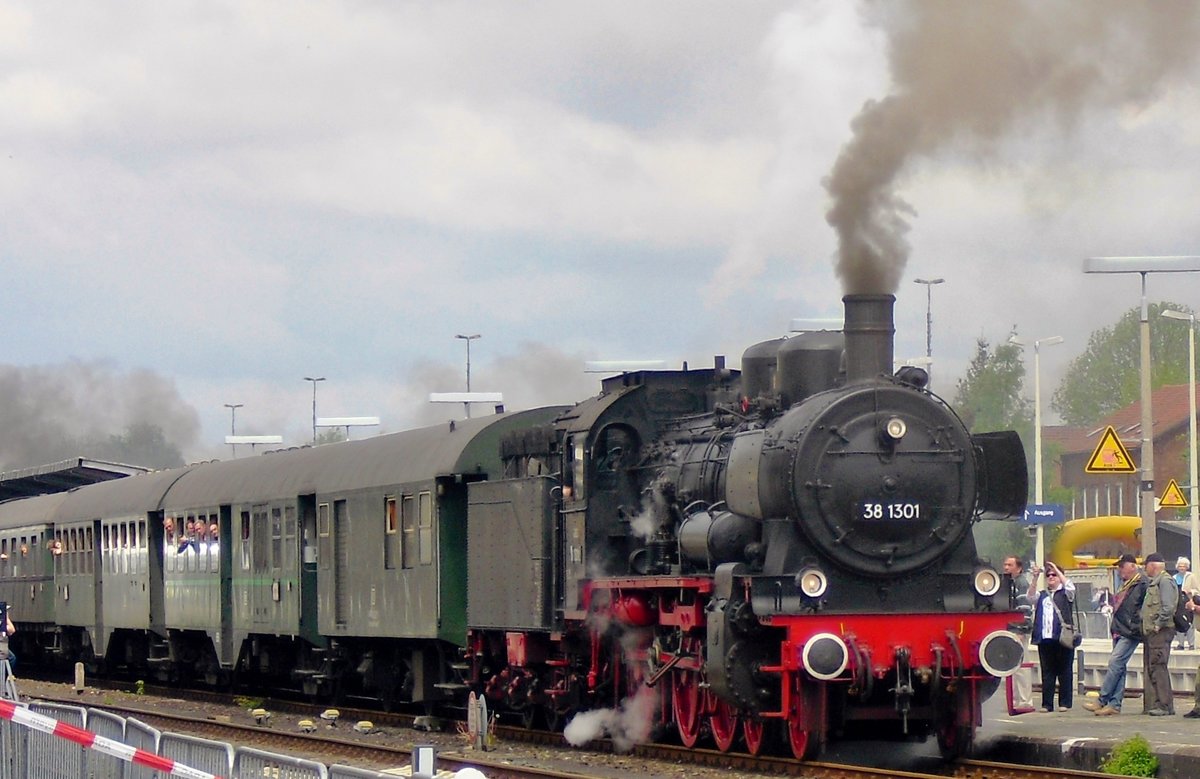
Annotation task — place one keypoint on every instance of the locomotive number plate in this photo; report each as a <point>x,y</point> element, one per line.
<point>871,511</point>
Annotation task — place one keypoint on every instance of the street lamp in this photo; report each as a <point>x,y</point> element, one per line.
<point>1144,266</point>
<point>468,339</point>
<point>314,380</point>
<point>233,407</point>
<point>1193,498</point>
<point>1040,553</point>
<point>929,317</point>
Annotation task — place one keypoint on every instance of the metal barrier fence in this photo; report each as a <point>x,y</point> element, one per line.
<point>28,752</point>
<point>253,762</point>
<point>49,757</point>
<point>215,757</point>
<point>139,735</point>
<point>102,723</point>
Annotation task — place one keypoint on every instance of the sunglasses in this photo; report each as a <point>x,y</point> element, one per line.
<point>1051,573</point>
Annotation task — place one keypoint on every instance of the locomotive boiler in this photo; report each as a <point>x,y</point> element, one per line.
<point>784,553</point>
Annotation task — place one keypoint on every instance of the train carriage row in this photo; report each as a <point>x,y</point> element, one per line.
<point>311,560</point>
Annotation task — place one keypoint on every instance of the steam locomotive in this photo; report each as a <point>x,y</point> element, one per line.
<point>781,554</point>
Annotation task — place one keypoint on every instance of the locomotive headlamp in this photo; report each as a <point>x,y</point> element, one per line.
<point>895,428</point>
<point>812,582</point>
<point>987,582</point>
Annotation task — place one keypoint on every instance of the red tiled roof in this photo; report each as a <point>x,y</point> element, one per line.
<point>1170,407</point>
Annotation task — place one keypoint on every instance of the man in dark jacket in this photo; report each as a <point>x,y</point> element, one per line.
<point>1126,634</point>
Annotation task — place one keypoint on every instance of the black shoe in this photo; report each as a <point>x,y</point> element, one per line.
<point>1193,714</point>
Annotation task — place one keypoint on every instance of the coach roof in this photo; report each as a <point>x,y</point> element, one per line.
<point>463,446</point>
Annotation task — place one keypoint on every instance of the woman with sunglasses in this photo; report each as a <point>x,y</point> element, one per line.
<point>1055,608</point>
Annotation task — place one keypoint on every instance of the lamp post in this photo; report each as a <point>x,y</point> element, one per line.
<point>1144,266</point>
<point>1194,489</point>
<point>468,339</point>
<point>233,407</point>
<point>314,380</point>
<point>1040,552</point>
<point>929,318</point>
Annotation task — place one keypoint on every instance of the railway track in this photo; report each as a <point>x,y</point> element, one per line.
<point>342,745</point>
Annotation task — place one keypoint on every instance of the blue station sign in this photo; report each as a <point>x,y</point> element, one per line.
<point>1044,514</point>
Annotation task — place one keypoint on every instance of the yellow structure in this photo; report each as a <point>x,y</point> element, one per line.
<point>1078,532</point>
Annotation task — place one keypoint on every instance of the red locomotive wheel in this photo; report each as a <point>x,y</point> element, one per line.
<point>804,722</point>
<point>723,721</point>
<point>685,705</point>
<point>954,721</point>
<point>799,737</point>
<point>753,732</point>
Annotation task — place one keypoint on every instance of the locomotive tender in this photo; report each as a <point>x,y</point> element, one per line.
<point>783,553</point>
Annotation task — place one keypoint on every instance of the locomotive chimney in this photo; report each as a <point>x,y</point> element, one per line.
<point>869,331</point>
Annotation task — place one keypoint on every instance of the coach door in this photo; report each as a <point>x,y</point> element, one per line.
<point>308,568</point>
<point>341,573</point>
<point>262,581</point>
<point>225,566</point>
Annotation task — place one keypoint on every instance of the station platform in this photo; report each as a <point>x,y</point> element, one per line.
<point>1078,739</point>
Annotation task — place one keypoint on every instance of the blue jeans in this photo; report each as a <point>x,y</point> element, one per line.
<point>1112,692</point>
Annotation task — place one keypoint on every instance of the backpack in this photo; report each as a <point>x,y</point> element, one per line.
<point>1183,617</point>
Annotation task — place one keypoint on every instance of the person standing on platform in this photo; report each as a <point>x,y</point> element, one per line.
<point>1158,628</point>
<point>1126,626</point>
<point>1022,681</point>
<point>1054,610</point>
<point>1194,608</point>
<point>1187,582</point>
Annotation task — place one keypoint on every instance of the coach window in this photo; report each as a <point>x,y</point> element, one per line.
<point>89,561</point>
<point>276,538</point>
<point>408,532</point>
<point>290,528</point>
<point>324,542</point>
<point>391,532</point>
<point>245,538</point>
<point>426,507</point>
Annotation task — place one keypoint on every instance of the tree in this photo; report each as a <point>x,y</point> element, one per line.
<point>330,435</point>
<point>989,398</point>
<point>1107,376</point>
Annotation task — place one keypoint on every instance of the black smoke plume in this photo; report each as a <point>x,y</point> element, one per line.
<point>56,412</point>
<point>967,74</point>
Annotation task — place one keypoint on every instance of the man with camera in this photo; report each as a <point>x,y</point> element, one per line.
<point>1126,626</point>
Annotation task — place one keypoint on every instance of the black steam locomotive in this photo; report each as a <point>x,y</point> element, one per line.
<point>783,553</point>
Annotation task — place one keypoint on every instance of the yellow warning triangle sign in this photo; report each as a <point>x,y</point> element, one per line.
<point>1173,498</point>
<point>1110,455</point>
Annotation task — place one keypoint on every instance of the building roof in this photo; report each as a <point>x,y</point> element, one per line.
<point>61,476</point>
<point>1171,411</point>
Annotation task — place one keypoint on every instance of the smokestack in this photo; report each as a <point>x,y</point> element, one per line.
<point>869,331</point>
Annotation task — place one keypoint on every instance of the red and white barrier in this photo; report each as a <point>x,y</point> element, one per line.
<point>85,738</point>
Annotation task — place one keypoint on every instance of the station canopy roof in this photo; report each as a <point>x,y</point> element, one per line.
<point>61,476</point>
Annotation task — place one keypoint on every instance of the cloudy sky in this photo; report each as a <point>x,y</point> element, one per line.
<point>210,201</point>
